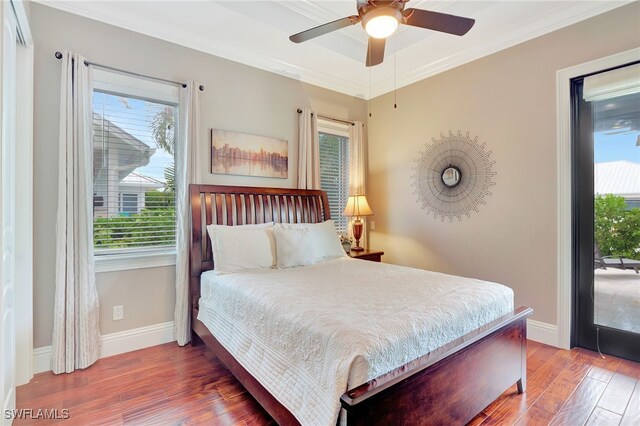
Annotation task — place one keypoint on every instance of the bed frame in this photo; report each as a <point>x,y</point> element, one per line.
<point>450,385</point>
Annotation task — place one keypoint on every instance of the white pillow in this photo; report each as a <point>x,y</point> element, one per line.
<point>237,248</point>
<point>212,228</point>
<point>324,237</point>
<point>326,241</point>
<point>293,247</point>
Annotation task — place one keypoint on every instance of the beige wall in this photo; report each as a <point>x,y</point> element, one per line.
<point>508,100</point>
<point>237,97</point>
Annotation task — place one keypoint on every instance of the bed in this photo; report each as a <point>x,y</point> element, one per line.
<point>448,384</point>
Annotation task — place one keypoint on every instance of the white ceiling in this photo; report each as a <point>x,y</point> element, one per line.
<point>256,33</point>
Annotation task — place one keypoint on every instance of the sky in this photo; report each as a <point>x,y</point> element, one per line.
<point>616,147</point>
<point>128,114</point>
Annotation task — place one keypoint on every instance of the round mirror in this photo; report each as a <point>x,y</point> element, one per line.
<point>451,177</point>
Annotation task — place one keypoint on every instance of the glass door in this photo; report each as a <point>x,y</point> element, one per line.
<point>606,212</point>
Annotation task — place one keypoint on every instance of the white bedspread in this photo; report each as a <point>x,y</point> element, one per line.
<point>308,334</point>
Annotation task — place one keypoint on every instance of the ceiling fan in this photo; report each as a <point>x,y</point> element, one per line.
<point>381,19</point>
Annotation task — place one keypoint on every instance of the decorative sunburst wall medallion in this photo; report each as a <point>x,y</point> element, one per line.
<point>453,176</point>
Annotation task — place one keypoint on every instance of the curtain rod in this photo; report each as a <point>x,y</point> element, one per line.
<point>326,117</point>
<point>58,55</point>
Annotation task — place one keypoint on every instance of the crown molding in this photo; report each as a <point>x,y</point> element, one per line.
<point>226,50</point>
<point>518,35</point>
<point>357,87</point>
<point>310,10</point>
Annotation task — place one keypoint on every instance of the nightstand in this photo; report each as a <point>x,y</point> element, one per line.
<point>372,255</point>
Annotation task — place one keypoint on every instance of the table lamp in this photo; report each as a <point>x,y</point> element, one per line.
<point>357,206</point>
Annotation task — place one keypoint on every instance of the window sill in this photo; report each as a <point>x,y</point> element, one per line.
<point>124,262</point>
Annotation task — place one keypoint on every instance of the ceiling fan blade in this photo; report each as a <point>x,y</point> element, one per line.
<point>375,51</point>
<point>437,21</point>
<point>324,29</point>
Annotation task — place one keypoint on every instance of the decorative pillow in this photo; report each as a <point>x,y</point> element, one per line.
<point>238,248</point>
<point>326,243</point>
<point>294,247</point>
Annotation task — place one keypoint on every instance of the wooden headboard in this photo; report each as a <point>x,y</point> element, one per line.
<point>241,205</point>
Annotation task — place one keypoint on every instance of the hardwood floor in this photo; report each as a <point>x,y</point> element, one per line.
<point>167,384</point>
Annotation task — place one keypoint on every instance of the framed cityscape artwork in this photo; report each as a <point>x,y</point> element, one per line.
<point>234,153</point>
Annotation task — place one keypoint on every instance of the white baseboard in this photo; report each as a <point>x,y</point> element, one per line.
<point>41,359</point>
<point>157,334</point>
<point>138,338</point>
<point>116,343</point>
<point>542,332</point>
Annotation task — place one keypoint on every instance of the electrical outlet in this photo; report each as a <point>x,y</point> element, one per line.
<point>372,225</point>
<point>118,312</point>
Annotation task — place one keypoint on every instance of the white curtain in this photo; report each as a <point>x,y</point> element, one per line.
<point>76,334</point>
<point>356,169</point>
<point>308,150</point>
<point>186,166</point>
<point>356,159</point>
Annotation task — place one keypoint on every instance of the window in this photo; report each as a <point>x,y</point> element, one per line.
<point>334,169</point>
<point>128,204</point>
<point>133,166</point>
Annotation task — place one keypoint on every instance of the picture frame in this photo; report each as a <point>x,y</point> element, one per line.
<point>242,154</point>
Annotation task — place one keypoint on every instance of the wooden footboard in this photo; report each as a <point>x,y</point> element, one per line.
<point>450,385</point>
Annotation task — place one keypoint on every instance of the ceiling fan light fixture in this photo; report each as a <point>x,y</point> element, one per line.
<point>381,18</point>
<point>381,22</point>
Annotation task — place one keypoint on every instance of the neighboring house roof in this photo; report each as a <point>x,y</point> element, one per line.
<point>132,152</point>
<point>137,180</point>
<point>617,177</point>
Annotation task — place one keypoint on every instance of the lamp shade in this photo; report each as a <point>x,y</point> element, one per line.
<point>357,206</point>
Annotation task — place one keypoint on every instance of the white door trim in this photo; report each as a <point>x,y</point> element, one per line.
<point>23,22</point>
<point>8,236</point>
<point>563,167</point>
<point>24,218</point>
<point>24,197</point>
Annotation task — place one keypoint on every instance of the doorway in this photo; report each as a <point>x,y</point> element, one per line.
<point>8,40</point>
<point>16,193</point>
<point>606,211</point>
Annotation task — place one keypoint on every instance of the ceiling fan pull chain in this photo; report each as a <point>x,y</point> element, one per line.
<point>369,91</point>
<point>395,76</point>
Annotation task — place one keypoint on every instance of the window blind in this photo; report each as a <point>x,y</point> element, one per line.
<point>612,84</point>
<point>133,173</point>
<point>334,175</point>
